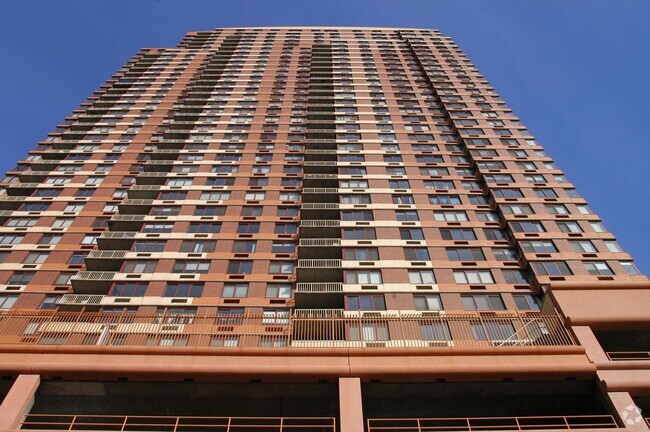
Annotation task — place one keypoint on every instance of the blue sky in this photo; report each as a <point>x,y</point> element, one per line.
<point>575,72</point>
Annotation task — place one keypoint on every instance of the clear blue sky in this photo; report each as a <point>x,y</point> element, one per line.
<point>576,72</point>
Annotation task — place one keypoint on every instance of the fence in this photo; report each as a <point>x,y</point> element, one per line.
<point>178,424</point>
<point>299,328</point>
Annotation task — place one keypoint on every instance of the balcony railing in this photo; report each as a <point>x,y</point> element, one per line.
<point>628,355</point>
<point>177,424</point>
<point>491,423</point>
<point>312,328</point>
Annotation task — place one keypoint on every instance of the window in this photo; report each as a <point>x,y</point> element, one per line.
<point>377,331</point>
<point>205,227</point>
<point>538,246</point>
<point>244,246</point>
<point>26,222</point>
<point>557,209</point>
<point>209,211</point>
<point>473,277</point>
<point>569,227</point>
<point>483,302</point>
<point>248,228</point>
<point>240,267</point>
<point>7,301</point>
<point>365,302</point>
<point>157,227</point>
<point>9,239</point>
<point>421,277</point>
<point>230,316</point>
<point>275,316</point>
<point>215,196</point>
<point>505,254</point>
<point>551,268</point>
<point>427,302</point>
<point>50,302</point>
<point>89,240</point>
<point>401,215</point>
<point>139,266</point>
<point>278,291</point>
<point>183,290</point>
<point>630,268</point>
<point>435,331</point>
<point>358,184</point>
<point>515,277</point>
<point>458,234</point>
<point>598,268</point>
<point>517,209</point>
<point>597,227</point>
<point>288,211</point>
<point>491,330</point>
<point>450,216</point>
<point>78,258</point>
<point>527,227</point>
<point>611,245</point>
<point>357,215</point>
<point>527,302</point>
<point>355,199</point>
<point>444,199</point>
<point>411,234</point>
<point>370,277</point>
<point>20,278</point>
<point>358,233</point>
<point>128,289</point>
<point>583,246</point>
<point>360,254</point>
<point>416,254</point>
<point>63,278</point>
<point>281,267</point>
<point>254,196</point>
<point>191,267</point>
<point>545,193</point>
<point>465,254</point>
<point>36,258</point>
<point>235,290</point>
<point>149,246</point>
<point>285,228</point>
<point>508,193</point>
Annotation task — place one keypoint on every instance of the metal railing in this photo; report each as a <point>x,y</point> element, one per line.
<point>322,328</point>
<point>491,423</point>
<point>177,424</point>
<point>628,355</point>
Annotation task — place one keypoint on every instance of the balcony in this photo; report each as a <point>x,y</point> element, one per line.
<point>320,228</point>
<point>314,270</point>
<point>621,345</point>
<point>184,406</point>
<point>470,424</point>
<point>319,295</point>
<point>307,328</point>
<point>135,206</point>
<point>486,406</point>
<point>116,240</point>
<point>76,301</point>
<point>177,424</point>
<point>110,260</point>
<point>92,282</point>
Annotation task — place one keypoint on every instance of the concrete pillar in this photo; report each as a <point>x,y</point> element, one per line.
<point>627,412</point>
<point>588,340</point>
<point>19,401</point>
<point>350,405</point>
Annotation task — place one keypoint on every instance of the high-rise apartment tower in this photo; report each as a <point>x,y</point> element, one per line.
<point>308,230</point>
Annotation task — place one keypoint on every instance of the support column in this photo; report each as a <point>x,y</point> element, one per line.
<point>588,340</point>
<point>19,401</point>
<point>350,405</point>
<point>627,412</point>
